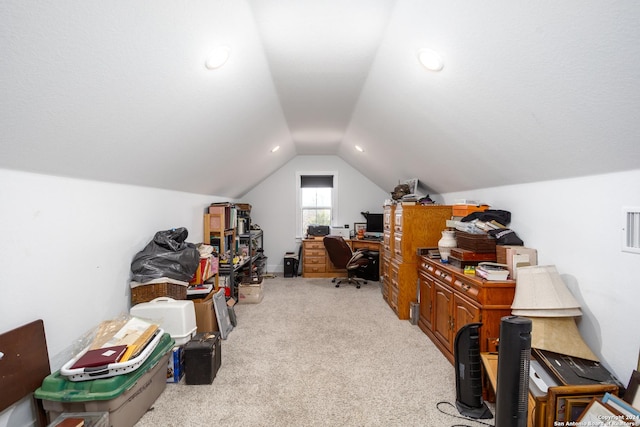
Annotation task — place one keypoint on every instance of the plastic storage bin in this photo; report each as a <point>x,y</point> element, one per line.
<point>89,419</point>
<point>113,369</point>
<point>125,397</point>
<point>176,317</point>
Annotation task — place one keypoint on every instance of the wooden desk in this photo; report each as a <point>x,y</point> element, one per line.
<point>316,262</point>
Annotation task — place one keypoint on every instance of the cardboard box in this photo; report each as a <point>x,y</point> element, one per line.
<point>175,365</point>
<point>516,256</point>
<point>464,210</point>
<point>250,293</point>
<point>205,315</point>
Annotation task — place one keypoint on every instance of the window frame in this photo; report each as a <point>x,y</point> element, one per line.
<point>299,233</point>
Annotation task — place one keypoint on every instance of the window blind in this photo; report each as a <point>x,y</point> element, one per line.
<point>316,181</point>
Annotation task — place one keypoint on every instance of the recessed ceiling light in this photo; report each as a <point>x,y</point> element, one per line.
<point>217,58</point>
<point>360,149</point>
<point>276,148</point>
<point>431,60</point>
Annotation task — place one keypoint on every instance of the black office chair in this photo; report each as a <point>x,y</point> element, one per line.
<point>341,256</point>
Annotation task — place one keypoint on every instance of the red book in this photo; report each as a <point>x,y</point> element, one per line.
<point>71,422</point>
<point>100,357</point>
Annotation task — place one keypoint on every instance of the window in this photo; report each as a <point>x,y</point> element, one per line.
<point>316,200</point>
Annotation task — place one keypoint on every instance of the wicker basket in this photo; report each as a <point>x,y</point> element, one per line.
<point>145,293</point>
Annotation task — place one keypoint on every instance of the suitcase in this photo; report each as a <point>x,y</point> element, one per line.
<point>202,358</point>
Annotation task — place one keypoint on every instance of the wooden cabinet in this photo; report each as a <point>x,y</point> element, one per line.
<point>314,259</point>
<point>407,228</point>
<point>449,299</point>
<point>218,232</point>
<point>426,314</point>
<point>316,262</point>
<point>443,322</point>
<point>386,256</point>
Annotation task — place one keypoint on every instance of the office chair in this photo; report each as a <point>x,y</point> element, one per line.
<point>341,256</point>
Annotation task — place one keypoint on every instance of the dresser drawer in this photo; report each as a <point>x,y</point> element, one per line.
<point>314,260</point>
<point>314,268</point>
<point>397,245</point>
<point>314,244</point>
<point>310,253</point>
<point>386,241</point>
<point>466,287</point>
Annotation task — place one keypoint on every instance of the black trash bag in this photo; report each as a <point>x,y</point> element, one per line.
<point>506,236</point>
<point>167,255</point>
<point>500,216</point>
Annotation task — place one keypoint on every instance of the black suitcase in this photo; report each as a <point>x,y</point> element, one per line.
<point>202,358</point>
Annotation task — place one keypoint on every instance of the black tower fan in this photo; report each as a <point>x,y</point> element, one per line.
<point>468,373</point>
<point>513,372</point>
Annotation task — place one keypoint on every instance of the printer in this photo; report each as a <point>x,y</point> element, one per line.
<point>341,231</point>
<point>317,230</point>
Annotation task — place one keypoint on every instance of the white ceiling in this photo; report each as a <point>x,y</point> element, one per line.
<point>117,91</point>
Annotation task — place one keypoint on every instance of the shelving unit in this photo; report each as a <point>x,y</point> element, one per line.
<point>250,247</point>
<point>228,228</point>
<point>220,232</point>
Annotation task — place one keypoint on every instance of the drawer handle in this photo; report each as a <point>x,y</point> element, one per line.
<point>466,287</point>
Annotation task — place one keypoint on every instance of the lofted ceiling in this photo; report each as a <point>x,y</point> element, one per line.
<point>118,91</point>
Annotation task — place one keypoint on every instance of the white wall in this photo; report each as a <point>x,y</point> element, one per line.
<point>274,202</point>
<point>576,225</point>
<point>67,247</point>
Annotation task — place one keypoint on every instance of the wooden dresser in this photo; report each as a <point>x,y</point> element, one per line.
<point>316,262</point>
<point>407,228</point>
<point>449,299</point>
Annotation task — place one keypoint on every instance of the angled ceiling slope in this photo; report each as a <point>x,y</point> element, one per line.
<point>119,92</point>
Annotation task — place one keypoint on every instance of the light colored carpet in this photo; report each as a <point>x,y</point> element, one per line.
<point>311,354</point>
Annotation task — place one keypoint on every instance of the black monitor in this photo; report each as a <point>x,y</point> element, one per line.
<point>374,223</point>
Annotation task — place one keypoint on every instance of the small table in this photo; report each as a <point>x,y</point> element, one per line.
<point>490,363</point>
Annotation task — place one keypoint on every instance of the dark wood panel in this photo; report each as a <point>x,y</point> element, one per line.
<point>24,364</point>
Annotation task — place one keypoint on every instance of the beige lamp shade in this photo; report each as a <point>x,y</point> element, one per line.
<point>542,296</point>
<point>541,292</point>
<point>560,335</point>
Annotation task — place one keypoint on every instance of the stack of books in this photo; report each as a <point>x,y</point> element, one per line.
<point>492,271</point>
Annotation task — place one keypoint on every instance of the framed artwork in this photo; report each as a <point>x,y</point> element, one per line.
<point>622,406</point>
<point>568,403</point>
<point>632,395</point>
<point>357,226</point>
<point>599,413</point>
<point>575,406</point>
<point>413,185</point>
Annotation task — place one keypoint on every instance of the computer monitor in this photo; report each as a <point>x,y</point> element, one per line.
<point>375,223</point>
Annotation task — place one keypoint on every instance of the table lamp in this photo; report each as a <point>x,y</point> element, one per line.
<point>542,296</point>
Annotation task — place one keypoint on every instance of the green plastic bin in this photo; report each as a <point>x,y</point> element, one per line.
<point>125,397</point>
